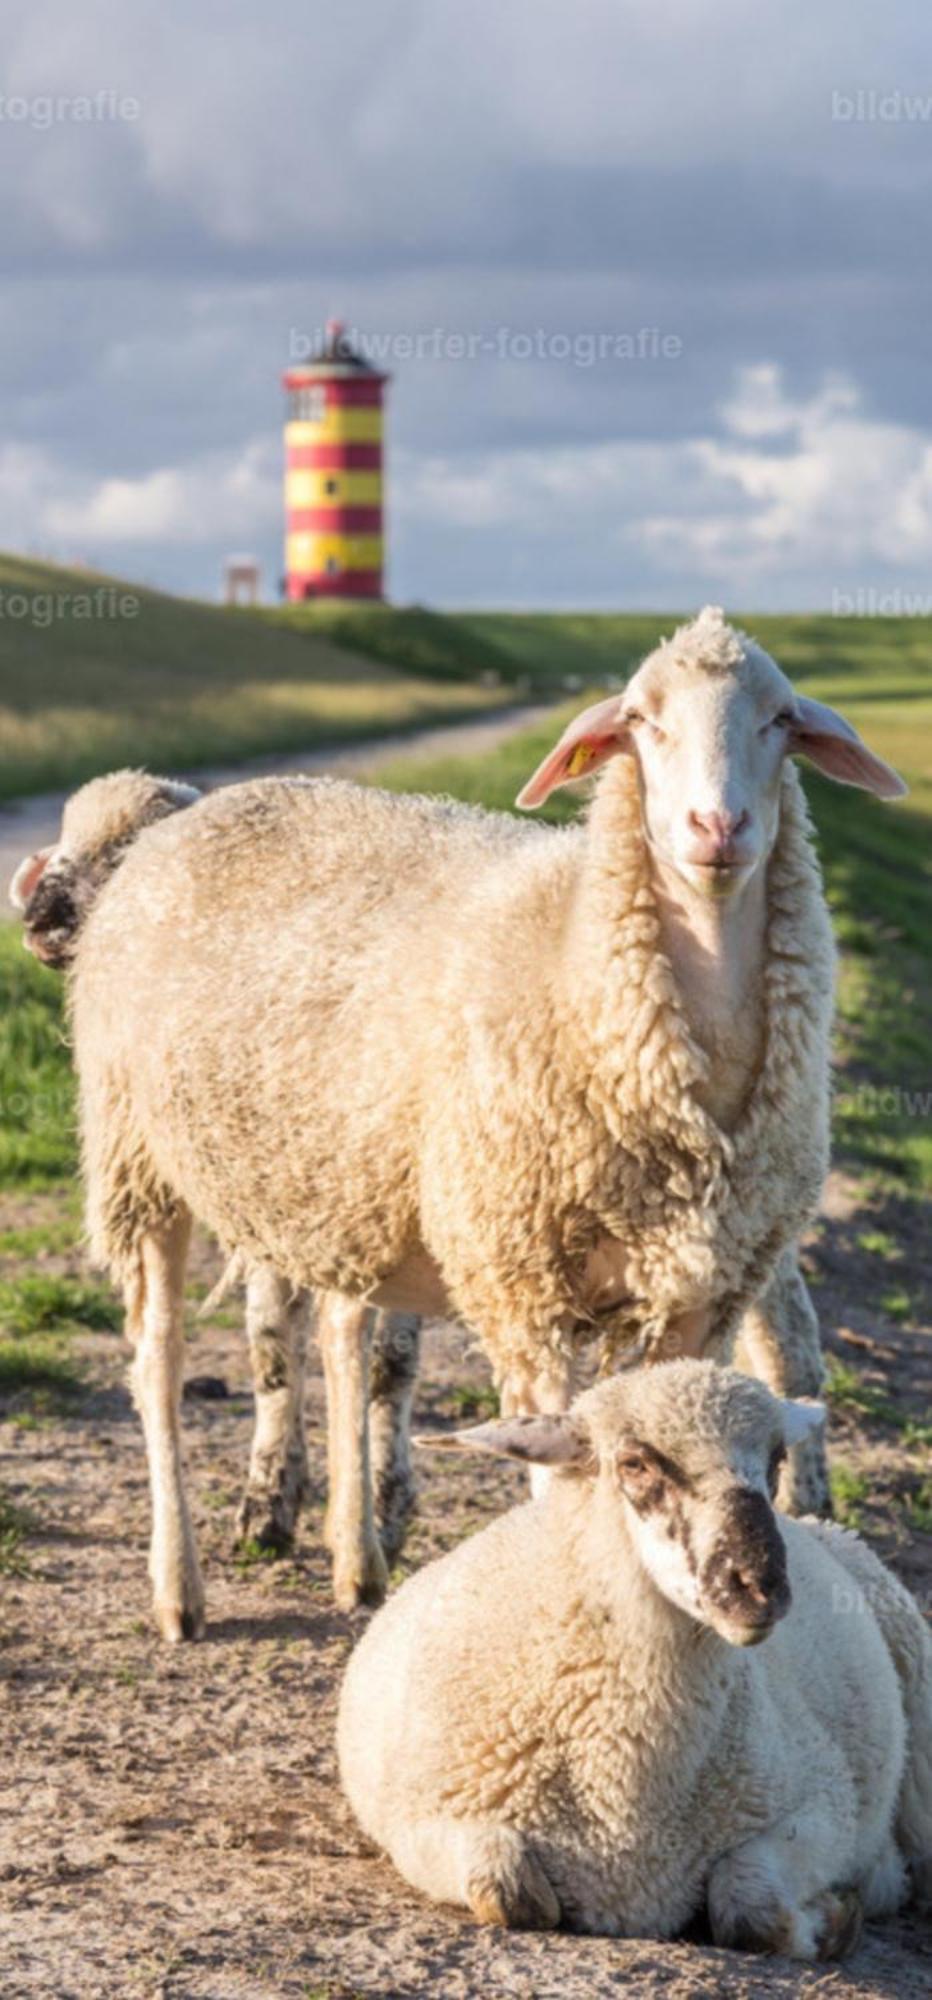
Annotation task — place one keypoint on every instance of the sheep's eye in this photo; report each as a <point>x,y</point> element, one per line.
<point>777,1458</point>
<point>781,720</point>
<point>631,1465</point>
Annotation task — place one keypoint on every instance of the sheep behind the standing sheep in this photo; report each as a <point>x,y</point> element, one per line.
<point>54,891</point>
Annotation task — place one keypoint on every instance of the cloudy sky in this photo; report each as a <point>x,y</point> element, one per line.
<point>685,247</point>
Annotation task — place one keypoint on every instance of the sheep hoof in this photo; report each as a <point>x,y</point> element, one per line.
<point>839,1916</point>
<point>264,1522</point>
<point>177,1622</point>
<point>519,1898</point>
<point>361,1580</point>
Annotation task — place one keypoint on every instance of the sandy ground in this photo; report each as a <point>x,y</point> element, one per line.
<point>30,823</point>
<point>170,1821</point>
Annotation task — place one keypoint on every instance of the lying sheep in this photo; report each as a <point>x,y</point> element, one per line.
<point>566,1086</point>
<point>54,890</point>
<point>559,1721</point>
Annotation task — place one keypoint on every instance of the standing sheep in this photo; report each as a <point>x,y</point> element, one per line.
<point>559,1721</point>
<point>570,1086</point>
<point>54,890</point>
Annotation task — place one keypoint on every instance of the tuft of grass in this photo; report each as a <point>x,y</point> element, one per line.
<point>43,1304</point>
<point>471,1401</point>
<point>878,1243</point>
<point>847,1390</point>
<point>253,1555</point>
<point>919,1508</point>
<point>897,1302</point>
<point>15,1524</point>
<point>849,1491</point>
<point>36,1238</point>
<point>41,1363</point>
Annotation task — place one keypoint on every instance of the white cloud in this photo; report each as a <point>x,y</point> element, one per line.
<point>795,492</point>
<point>227,497</point>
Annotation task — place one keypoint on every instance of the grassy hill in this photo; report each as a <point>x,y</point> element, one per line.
<point>96,673</point>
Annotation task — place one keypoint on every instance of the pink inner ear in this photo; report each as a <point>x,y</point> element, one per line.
<point>594,736</point>
<point>28,875</point>
<point>829,742</point>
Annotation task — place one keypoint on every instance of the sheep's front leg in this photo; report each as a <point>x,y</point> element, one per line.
<point>779,1893</point>
<point>276,1327</point>
<point>155,1324</point>
<point>392,1381</point>
<point>359,1569</point>
<point>779,1342</point>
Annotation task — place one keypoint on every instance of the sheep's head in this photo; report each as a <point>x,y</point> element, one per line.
<point>709,719</point>
<point>685,1459</point>
<point>55,887</point>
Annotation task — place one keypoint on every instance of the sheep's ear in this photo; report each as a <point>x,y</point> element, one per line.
<point>829,742</point>
<point>800,1418</point>
<point>533,1440</point>
<point>598,733</point>
<point>28,876</point>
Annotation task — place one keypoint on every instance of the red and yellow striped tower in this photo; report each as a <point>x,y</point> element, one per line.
<point>333,473</point>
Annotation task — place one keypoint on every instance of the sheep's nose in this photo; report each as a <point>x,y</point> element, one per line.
<point>721,828</point>
<point>745,1577</point>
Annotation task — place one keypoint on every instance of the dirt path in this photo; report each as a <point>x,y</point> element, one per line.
<point>31,823</point>
<point>170,1822</point>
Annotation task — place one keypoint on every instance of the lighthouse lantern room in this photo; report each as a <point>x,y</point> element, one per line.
<point>333,473</point>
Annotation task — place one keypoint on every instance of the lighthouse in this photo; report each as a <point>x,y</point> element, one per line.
<point>333,473</point>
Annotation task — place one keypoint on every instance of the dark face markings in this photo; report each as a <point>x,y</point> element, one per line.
<point>745,1576</point>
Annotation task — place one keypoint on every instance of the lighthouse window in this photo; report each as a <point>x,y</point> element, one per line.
<point>332,566</point>
<point>309,405</point>
<point>330,486</point>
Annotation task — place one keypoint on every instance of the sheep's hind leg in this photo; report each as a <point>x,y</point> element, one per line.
<point>779,1343</point>
<point>392,1381</point>
<point>360,1573</point>
<point>487,1866</point>
<point>155,1302</point>
<point>775,1893</point>
<point>276,1327</point>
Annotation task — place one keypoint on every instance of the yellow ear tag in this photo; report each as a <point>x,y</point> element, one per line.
<point>582,755</point>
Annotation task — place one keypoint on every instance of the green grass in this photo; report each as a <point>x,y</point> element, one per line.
<point>15,1524</point>
<point>181,684</point>
<point>41,1304</point>
<point>469,1401</point>
<point>410,638</point>
<point>42,1363</point>
<point>849,1491</point>
<point>37,1097</point>
<point>919,1508</point>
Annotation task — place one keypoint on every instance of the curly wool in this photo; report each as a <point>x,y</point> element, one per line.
<point>347,1029</point>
